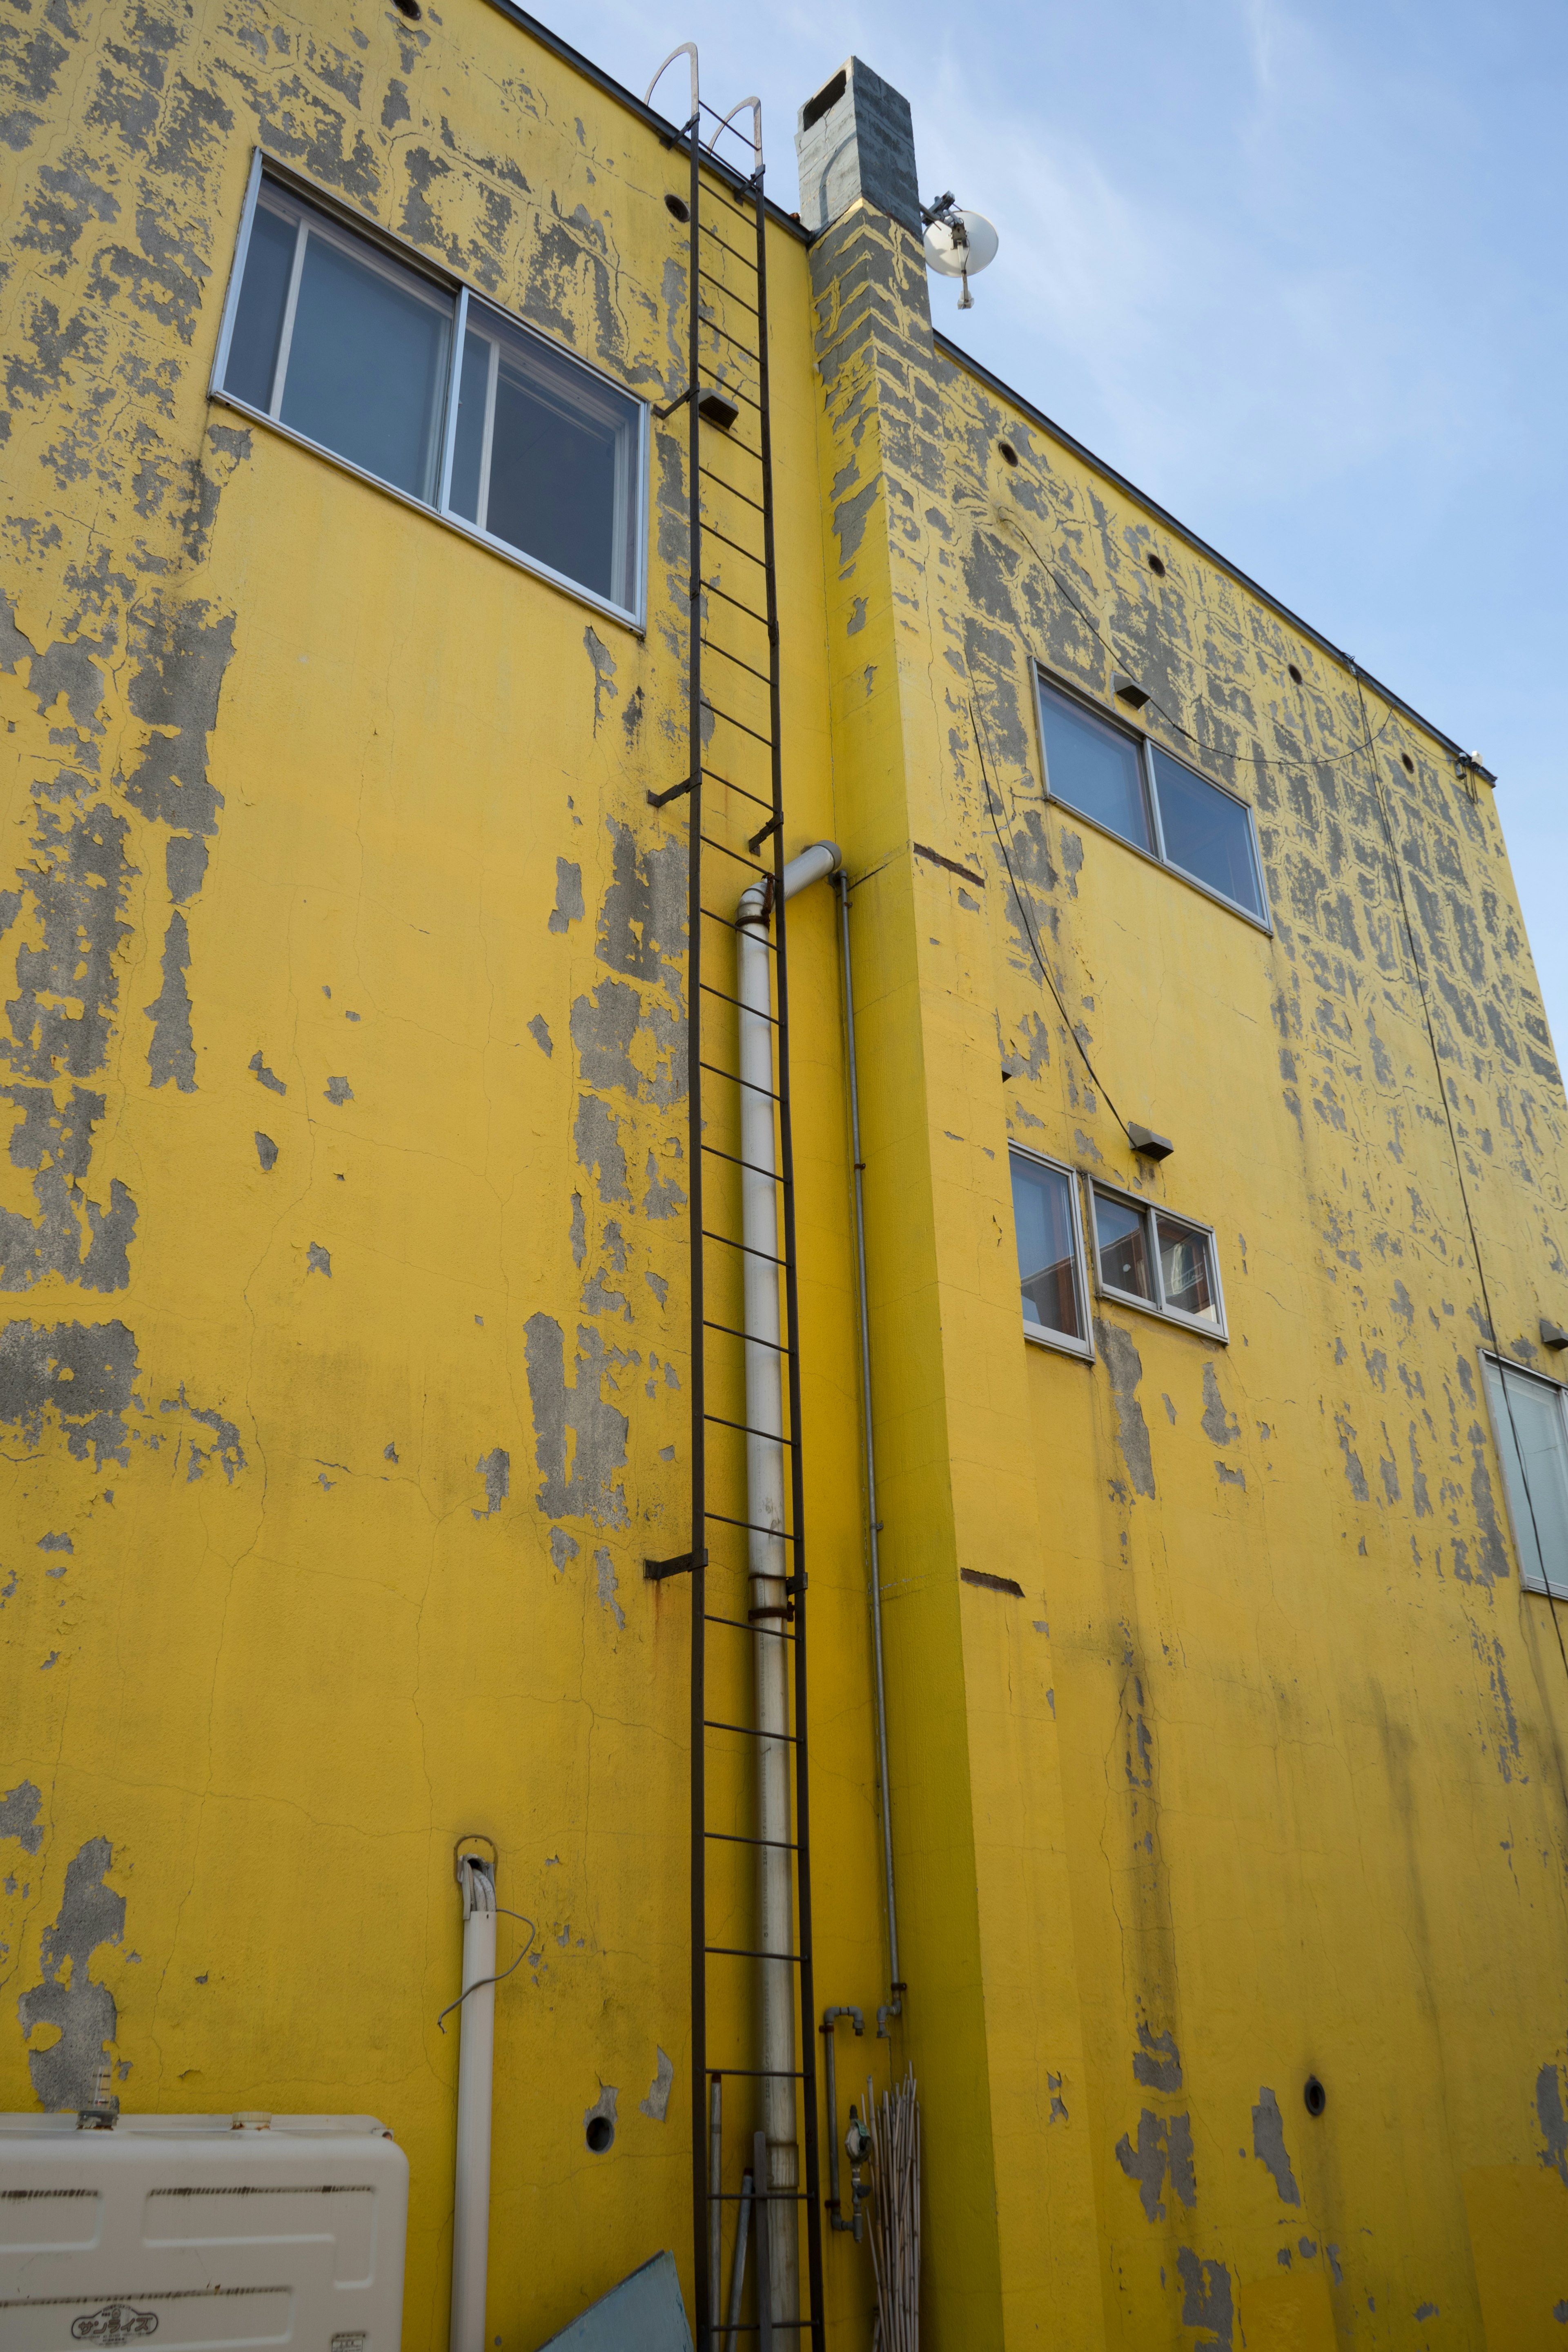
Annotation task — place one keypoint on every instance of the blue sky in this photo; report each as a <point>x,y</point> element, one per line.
<point>1295,272</point>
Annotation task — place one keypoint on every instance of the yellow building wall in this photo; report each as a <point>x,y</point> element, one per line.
<point>344,1373</point>
<point>1310,1731</point>
<point>326,1479</point>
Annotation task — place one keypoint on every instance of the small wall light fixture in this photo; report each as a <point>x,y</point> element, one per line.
<point>1127,691</point>
<point>1552,1335</point>
<point>1147,1144</point>
<point>718,410</point>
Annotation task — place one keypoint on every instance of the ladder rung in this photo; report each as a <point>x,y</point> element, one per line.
<point>746,1246</point>
<point>725,851</point>
<point>745,349</point>
<point>706,988</point>
<point>727,291</point>
<point>735,249</point>
<point>714,1072</point>
<point>739,212</point>
<point>761,2074</point>
<point>731,925</point>
<point>779,1347</point>
<point>709,475</point>
<point>735,1837</point>
<point>743,1951</point>
<point>735,1161</point>
<point>746,793</point>
<point>769,1634</point>
<point>711,588</point>
<point>784,1535</point>
<point>712,530</point>
<point>773,1436</point>
<point>761,675</point>
<point>731,720</point>
<point>734,389</point>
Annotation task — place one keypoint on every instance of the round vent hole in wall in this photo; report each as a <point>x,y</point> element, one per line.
<point>1316,2098</point>
<point>600,2133</point>
<point>1294,672</point>
<point>1407,763</point>
<point>1156,567</point>
<point>409,9</point>
<point>1009,455</point>
<point>677,209</point>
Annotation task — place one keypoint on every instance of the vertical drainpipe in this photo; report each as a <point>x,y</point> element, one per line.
<point>767,1486</point>
<point>476,2053</point>
<point>894,2005</point>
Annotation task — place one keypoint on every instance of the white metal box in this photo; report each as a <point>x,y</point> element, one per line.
<point>191,2232</point>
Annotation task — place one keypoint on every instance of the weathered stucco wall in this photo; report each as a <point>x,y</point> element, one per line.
<point>342,1369</point>
<point>342,1373</point>
<point>1311,1735</point>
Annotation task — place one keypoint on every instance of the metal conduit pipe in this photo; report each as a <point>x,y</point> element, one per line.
<point>475,2051</point>
<point>894,2005</point>
<point>768,1565</point>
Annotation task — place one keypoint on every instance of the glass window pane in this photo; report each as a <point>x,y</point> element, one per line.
<point>1096,768</point>
<point>556,479</point>
<point>258,314</point>
<point>1185,1275</point>
<point>367,363</point>
<point>1208,834</point>
<point>1042,1213</point>
<point>1528,1422</point>
<point>468,442</point>
<point>1123,1236</point>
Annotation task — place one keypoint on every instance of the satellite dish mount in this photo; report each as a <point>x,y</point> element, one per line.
<point>958,244</point>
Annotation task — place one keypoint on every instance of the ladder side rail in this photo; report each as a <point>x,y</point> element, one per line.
<point>707,2321</point>
<point>791,1307</point>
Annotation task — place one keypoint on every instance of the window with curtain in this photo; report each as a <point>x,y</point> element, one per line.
<point>412,381</point>
<point>1156,1260</point>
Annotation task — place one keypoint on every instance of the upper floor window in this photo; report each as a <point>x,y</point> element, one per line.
<point>1152,1259</point>
<point>1531,1433</point>
<point>1051,1253</point>
<point>415,382</point>
<point>1118,779</point>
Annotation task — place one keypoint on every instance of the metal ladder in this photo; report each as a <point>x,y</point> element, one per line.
<point>734,789</point>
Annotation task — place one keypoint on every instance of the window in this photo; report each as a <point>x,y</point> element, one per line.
<point>414,382</point>
<point>1050,1253</point>
<point>1154,1260</point>
<point>1123,783</point>
<point>1531,1433</point>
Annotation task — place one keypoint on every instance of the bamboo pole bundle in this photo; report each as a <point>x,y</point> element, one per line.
<point>896,2219</point>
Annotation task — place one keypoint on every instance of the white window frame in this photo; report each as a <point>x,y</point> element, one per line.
<point>1502,1440</point>
<point>1157,1306</point>
<point>1062,1341</point>
<point>355,227</point>
<point>1146,746</point>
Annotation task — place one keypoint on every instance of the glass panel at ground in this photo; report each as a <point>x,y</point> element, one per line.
<point>1528,1424</point>
<point>544,457</point>
<point>1122,1233</point>
<point>1186,1273</point>
<point>1048,1248</point>
<point>1094,768</point>
<point>1208,834</point>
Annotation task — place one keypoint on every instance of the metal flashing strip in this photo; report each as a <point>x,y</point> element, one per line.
<point>959,358</point>
<point>669,132</point>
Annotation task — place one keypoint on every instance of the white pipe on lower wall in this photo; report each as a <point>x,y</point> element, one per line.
<point>476,2057</point>
<point>767,1493</point>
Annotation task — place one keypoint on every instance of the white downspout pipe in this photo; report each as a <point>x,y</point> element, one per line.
<point>475,2050</point>
<point>767,1497</point>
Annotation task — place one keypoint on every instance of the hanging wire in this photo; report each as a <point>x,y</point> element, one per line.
<point>479,1983</point>
<point>1029,929</point>
<point>1419,961</point>
<point>1010,521</point>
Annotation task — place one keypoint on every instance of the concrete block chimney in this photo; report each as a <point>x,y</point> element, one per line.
<point>856,138</point>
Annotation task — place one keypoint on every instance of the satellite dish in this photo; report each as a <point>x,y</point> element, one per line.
<point>959,245</point>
